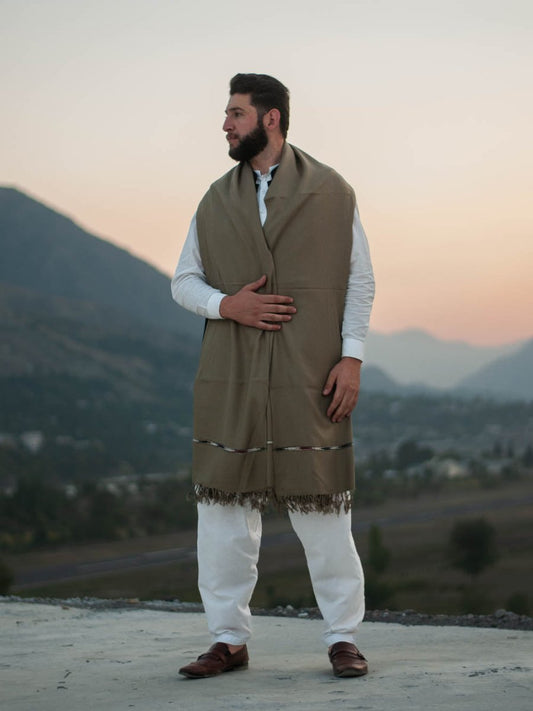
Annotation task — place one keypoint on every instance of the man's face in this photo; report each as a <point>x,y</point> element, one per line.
<point>244,128</point>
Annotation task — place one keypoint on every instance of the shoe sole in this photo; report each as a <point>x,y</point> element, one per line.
<point>351,672</point>
<point>209,676</point>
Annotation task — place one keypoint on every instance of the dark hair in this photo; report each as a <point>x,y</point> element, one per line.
<point>266,93</point>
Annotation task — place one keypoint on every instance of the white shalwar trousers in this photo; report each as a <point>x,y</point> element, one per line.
<point>229,538</point>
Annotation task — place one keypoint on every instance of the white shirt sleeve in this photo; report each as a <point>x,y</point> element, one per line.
<point>359,295</point>
<point>189,286</point>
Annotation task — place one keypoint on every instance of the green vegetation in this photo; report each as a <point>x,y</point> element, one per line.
<point>6,578</point>
<point>417,574</point>
<point>379,592</point>
<point>86,483</point>
<point>518,603</point>
<point>132,411</point>
<point>90,429</point>
<point>472,546</point>
<point>39,515</point>
<point>378,557</point>
<point>472,549</point>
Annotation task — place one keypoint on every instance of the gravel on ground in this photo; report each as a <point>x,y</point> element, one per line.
<point>500,619</point>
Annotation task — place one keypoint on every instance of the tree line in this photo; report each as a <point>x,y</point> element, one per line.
<point>39,514</point>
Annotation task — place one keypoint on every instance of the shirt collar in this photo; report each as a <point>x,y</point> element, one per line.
<point>266,176</point>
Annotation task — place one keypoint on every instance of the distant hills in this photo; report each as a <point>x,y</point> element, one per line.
<point>73,303</point>
<point>94,355</point>
<point>507,377</point>
<point>414,357</point>
<point>45,335</point>
<point>49,254</point>
<point>415,361</point>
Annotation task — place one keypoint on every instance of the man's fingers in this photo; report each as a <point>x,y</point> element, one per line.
<point>249,308</point>
<point>330,382</point>
<point>342,407</point>
<point>343,400</point>
<point>255,285</point>
<point>276,299</point>
<point>271,318</point>
<point>278,308</point>
<point>338,411</point>
<point>267,326</point>
<point>276,317</point>
<point>344,377</point>
<point>332,409</point>
<point>339,406</point>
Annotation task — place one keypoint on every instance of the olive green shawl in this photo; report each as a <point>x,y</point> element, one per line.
<point>260,425</point>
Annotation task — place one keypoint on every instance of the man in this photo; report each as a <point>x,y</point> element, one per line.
<point>277,262</point>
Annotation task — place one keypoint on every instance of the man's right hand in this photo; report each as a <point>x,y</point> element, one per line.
<point>264,311</point>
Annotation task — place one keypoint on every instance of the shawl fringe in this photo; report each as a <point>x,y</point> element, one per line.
<point>259,500</point>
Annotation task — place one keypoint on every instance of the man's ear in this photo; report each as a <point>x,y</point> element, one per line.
<point>271,119</point>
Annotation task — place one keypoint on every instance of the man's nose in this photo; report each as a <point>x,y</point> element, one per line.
<point>227,125</point>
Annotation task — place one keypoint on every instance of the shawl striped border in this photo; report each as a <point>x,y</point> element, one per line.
<point>295,448</point>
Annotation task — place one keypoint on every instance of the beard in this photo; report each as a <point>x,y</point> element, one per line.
<point>252,144</point>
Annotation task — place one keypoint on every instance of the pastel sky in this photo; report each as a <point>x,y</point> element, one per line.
<point>112,112</point>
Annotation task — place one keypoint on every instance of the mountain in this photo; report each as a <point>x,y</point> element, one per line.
<point>102,391</point>
<point>96,360</point>
<point>44,335</point>
<point>414,357</point>
<point>47,253</point>
<point>510,376</point>
<point>374,379</point>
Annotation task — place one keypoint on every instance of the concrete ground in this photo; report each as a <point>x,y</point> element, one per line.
<point>55,658</point>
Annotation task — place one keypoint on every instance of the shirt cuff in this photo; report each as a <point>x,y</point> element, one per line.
<point>352,348</point>
<point>213,305</point>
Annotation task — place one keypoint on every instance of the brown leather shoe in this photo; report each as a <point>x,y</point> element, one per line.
<point>347,660</point>
<point>216,660</point>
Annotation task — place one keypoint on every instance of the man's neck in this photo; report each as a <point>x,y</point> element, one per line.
<point>268,157</point>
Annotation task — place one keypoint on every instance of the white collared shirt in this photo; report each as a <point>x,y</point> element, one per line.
<point>191,290</point>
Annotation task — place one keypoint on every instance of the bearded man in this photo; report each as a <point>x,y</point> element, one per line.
<point>277,262</point>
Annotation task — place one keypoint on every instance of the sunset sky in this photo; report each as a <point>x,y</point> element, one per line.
<point>112,113</point>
